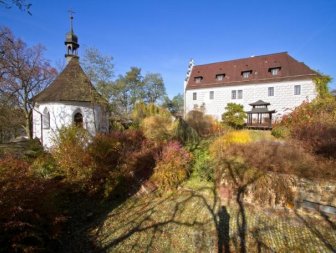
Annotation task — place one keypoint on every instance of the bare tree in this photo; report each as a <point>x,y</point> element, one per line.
<point>23,73</point>
<point>20,4</point>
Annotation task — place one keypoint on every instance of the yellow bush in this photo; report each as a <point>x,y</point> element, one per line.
<point>142,111</point>
<point>240,137</point>
<point>234,137</point>
<point>158,128</point>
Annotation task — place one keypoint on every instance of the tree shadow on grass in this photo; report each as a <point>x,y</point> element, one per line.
<point>316,230</point>
<point>86,212</point>
<point>179,222</point>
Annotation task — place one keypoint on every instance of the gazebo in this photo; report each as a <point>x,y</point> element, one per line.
<point>259,117</point>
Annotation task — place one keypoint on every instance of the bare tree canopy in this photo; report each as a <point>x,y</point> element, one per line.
<point>20,4</point>
<point>24,72</point>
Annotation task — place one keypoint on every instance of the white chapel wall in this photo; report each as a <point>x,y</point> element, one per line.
<point>62,114</point>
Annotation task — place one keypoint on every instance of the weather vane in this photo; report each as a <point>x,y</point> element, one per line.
<point>71,12</point>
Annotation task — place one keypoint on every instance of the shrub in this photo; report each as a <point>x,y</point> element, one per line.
<point>33,149</point>
<point>172,166</point>
<point>29,209</point>
<point>289,158</point>
<point>314,125</point>
<point>254,167</point>
<point>70,153</point>
<point>321,83</point>
<point>318,136</point>
<point>45,166</point>
<point>184,133</point>
<point>205,125</point>
<point>116,126</point>
<point>10,163</point>
<point>234,115</point>
<point>122,161</point>
<point>223,142</point>
<point>142,111</point>
<point>279,131</point>
<point>203,167</point>
<point>158,128</point>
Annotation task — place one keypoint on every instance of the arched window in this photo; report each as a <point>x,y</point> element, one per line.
<point>46,118</point>
<point>78,119</point>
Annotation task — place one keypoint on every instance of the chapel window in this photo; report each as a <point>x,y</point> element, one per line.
<point>78,119</point>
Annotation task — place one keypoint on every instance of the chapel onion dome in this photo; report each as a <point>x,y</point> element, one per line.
<point>71,37</point>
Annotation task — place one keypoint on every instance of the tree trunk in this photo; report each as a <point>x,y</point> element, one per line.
<point>29,125</point>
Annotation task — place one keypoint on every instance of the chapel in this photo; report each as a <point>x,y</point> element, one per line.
<point>70,99</point>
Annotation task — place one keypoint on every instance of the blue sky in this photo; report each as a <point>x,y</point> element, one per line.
<point>162,35</point>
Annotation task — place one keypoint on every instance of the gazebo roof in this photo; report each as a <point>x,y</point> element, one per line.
<point>259,102</point>
<point>260,110</point>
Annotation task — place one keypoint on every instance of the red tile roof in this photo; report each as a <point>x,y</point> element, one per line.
<point>290,69</point>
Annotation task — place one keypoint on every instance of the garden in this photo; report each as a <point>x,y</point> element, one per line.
<point>168,184</point>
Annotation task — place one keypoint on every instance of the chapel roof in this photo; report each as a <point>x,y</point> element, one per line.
<point>258,68</point>
<point>72,84</point>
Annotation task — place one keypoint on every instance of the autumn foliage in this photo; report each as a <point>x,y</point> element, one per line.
<point>30,220</point>
<point>172,166</point>
<point>313,125</point>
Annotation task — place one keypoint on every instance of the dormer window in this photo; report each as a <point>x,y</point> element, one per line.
<point>274,71</point>
<point>220,77</point>
<point>246,74</point>
<point>198,79</point>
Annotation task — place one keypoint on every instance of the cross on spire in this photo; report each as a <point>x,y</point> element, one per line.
<point>71,12</point>
<point>71,40</point>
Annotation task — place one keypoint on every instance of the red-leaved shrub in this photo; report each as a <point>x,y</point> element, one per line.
<point>172,166</point>
<point>313,124</point>
<point>30,220</point>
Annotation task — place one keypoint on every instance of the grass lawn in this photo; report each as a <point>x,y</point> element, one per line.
<point>193,220</point>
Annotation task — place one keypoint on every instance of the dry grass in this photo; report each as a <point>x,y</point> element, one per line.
<point>190,221</point>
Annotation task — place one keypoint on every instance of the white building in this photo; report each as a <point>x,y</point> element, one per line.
<point>278,79</point>
<point>70,99</point>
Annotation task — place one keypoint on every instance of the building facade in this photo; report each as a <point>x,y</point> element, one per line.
<point>70,99</point>
<point>278,79</point>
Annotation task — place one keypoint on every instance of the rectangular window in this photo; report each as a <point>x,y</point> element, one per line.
<point>194,96</point>
<point>297,89</point>
<point>220,77</point>
<point>198,79</point>
<point>274,71</point>
<point>246,74</point>
<point>212,94</point>
<point>233,94</point>
<point>240,94</point>
<point>270,91</point>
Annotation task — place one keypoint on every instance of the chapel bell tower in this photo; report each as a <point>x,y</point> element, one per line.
<point>71,42</point>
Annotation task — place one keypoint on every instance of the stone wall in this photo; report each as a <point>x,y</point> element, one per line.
<point>280,190</point>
